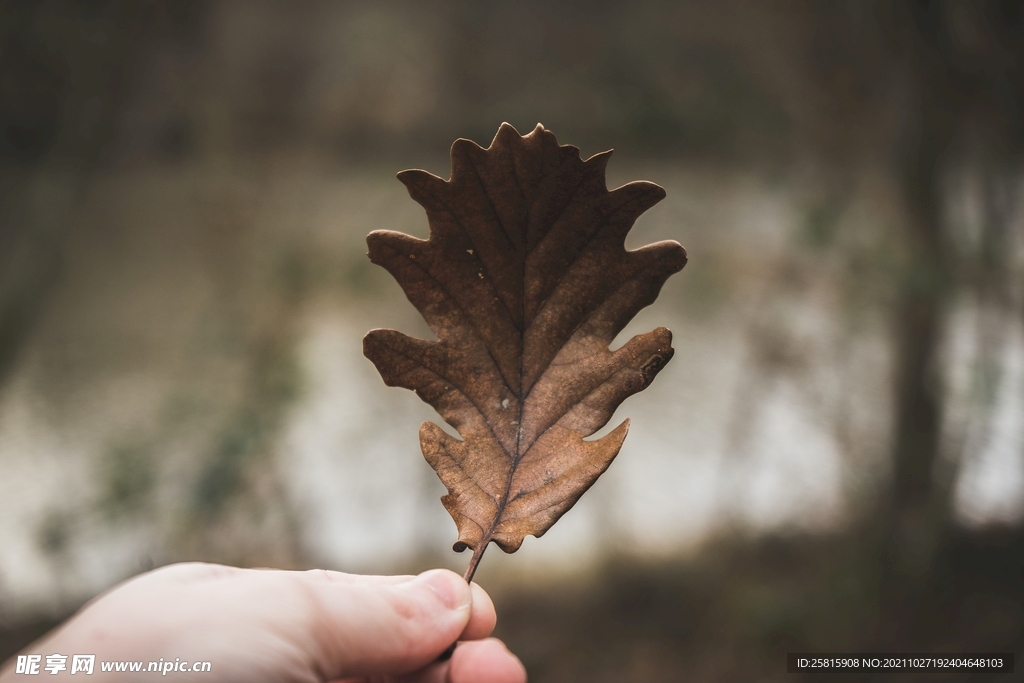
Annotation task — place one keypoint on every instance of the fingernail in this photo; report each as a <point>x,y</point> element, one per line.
<point>453,591</point>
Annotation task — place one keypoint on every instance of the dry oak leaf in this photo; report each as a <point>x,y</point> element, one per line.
<point>526,281</point>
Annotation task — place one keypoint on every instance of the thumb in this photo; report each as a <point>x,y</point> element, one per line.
<point>378,628</point>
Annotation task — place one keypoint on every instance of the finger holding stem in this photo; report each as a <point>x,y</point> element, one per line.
<point>474,562</point>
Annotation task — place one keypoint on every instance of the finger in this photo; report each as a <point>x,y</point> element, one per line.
<point>327,575</point>
<point>197,571</point>
<point>482,618</point>
<point>185,572</point>
<point>432,673</point>
<point>481,623</point>
<point>485,661</point>
<point>365,629</point>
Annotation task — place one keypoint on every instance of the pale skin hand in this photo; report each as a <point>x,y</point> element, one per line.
<point>283,626</point>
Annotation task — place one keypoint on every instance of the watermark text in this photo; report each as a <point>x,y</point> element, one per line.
<point>34,665</point>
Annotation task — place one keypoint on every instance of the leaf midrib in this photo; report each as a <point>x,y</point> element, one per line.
<point>514,460</point>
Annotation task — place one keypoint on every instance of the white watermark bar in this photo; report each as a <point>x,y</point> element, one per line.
<point>34,665</point>
<point>897,662</point>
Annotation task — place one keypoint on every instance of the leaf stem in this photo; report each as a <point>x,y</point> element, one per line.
<point>474,561</point>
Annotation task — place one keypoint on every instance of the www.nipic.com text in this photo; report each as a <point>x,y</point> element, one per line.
<point>31,665</point>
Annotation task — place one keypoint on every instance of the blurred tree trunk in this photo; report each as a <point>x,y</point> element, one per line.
<point>963,104</point>
<point>918,507</point>
<point>915,513</point>
<point>963,71</point>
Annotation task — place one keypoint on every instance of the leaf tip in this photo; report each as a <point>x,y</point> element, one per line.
<point>420,184</point>
<point>371,342</point>
<point>673,254</point>
<point>600,160</point>
<point>683,257</point>
<point>506,131</point>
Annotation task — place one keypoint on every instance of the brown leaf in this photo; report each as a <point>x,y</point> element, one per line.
<point>525,280</point>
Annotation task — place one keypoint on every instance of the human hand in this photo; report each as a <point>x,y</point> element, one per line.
<point>271,625</point>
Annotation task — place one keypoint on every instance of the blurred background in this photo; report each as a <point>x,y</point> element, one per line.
<point>834,460</point>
